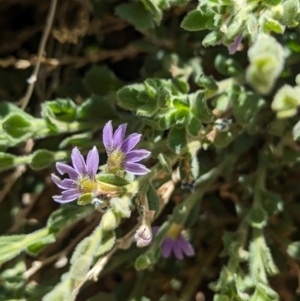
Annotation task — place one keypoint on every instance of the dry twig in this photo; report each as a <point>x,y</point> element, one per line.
<point>33,78</point>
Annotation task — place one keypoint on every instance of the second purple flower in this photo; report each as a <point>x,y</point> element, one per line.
<point>121,156</point>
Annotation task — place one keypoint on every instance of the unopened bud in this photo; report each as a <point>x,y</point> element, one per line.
<point>109,221</point>
<point>143,236</point>
<point>121,206</point>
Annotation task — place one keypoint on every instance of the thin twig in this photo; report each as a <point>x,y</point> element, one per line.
<point>33,78</point>
<point>129,51</point>
<point>10,181</point>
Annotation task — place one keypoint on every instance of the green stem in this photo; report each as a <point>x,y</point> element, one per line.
<point>259,183</point>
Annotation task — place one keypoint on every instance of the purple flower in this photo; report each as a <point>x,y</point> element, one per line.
<point>232,48</point>
<point>175,242</point>
<point>81,175</point>
<point>121,155</point>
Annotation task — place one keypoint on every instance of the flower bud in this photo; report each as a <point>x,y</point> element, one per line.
<point>143,236</point>
<point>110,221</point>
<point>121,206</point>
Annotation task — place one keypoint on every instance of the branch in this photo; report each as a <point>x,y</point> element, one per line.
<point>33,78</point>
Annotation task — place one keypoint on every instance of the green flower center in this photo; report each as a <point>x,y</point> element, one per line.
<point>86,185</point>
<point>115,161</point>
<point>174,231</point>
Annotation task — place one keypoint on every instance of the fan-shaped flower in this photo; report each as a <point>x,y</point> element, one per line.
<point>81,175</point>
<point>121,155</point>
<point>175,242</point>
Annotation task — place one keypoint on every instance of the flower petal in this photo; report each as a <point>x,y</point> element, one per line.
<point>155,230</point>
<point>166,247</point>
<point>63,184</point>
<point>136,168</point>
<point>137,155</point>
<point>119,136</point>
<point>64,168</point>
<point>67,196</point>
<point>78,161</point>
<point>130,142</point>
<point>92,162</point>
<point>232,48</point>
<point>107,137</point>
<point>177,249</point>
<point>186,247</point>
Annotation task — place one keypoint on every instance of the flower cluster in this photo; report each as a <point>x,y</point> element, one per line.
<point>83,174</point>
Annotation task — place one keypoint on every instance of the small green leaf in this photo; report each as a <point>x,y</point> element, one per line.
<point>269,263</point>
<point>136,14</point>
<point>180,213</point>
<point>252,27</point>
<point>41,159</point>
<point>60,109</point>
<point>142,262</point>
<point>163,160</point>
<point>97,107</point>
<point>271,2</point>
<point>17,126</point>
<point>200,109</point>
<point>85,199</point>
<point>35,248</point>
<point>148,106</point>
<point>246,106</point>
<point>222,139</point>
<point>111,179</point>
<point>107,242</point>
<point>207,82</point>
<point>66,215</point>
<point>194,126</point>
<point>234,29</point>
<point>153,200</point>
<point>181,84</point>
<point>101,80</point>
<point>227,66</point>
<point>7,108</point>
<point>11,239</point>
<point>166,120</point>
<point>270,24</point>
<point>128,96</point>
<point>156,12</point>
<point>296,133</point>
<point>212,39</point>
<point>193,216</point>
<point>271,202</point>
<point>177,139</point>
<point>7,161</point>
<point>223,102</point>
<point>198,20</point>
<point>77,139</point>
